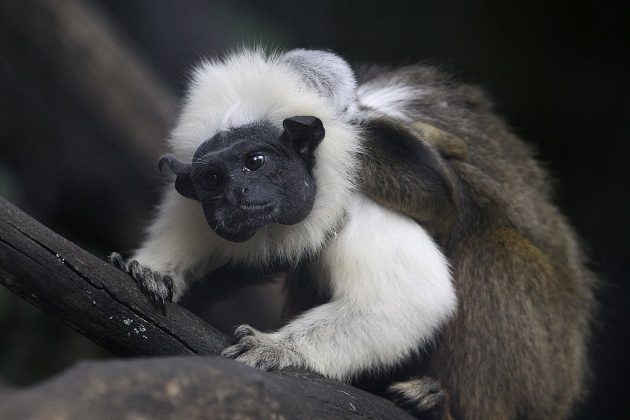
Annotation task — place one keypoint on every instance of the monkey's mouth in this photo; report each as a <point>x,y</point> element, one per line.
<point>240,223</point>
<point>255,207</point>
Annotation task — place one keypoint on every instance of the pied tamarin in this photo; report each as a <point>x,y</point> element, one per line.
<point>424,219</point>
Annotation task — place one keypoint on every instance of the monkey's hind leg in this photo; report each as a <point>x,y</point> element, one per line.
<point>155,285</point>
<point>423,397</point>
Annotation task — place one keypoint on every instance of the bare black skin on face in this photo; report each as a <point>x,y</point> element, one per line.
<point>253,175</point>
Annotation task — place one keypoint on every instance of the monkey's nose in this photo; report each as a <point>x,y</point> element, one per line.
<point>236,196</point>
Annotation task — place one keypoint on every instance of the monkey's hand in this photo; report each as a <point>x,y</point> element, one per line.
<point>158,287</point>
<point>261,350</point>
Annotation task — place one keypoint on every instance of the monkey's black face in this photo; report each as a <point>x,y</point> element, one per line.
<point>253,175</point>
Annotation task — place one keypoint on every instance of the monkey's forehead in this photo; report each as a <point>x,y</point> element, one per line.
<point>243,89</point>
<point>240,139</point>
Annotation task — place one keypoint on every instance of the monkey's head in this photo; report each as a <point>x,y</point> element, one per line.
<point>253,175</point>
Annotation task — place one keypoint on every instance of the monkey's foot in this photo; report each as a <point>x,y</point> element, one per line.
<point>156,286</point>
<point>424,397</point>
<point>260,350</point>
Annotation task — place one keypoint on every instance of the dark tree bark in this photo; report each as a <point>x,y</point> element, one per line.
<point>190,388</point>
<point>92,296</point>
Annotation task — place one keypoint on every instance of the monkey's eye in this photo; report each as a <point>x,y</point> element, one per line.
<point>254,162</point>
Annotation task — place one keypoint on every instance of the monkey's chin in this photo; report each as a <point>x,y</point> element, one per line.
<point>239,236</point>
<point>241,224</point>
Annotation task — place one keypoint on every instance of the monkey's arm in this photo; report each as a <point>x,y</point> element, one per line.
<point>177,247</point>
<point>404,168</point>
<point>416,122</point>
<point>391,291</point>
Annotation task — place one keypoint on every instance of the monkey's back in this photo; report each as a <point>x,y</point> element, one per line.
<point>517,347</point>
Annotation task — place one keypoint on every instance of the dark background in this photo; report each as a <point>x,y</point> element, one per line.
<point>558,72</point>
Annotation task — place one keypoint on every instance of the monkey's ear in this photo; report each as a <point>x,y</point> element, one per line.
<point>303,133</point>
<point>183,182</point>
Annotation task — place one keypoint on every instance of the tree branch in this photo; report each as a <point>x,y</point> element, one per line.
<point>191,388</point>
<point>105,305</point>
<point>92,296</point>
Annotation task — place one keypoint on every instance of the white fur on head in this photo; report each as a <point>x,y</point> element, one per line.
<point>251,86</point>
<point>329,74</point>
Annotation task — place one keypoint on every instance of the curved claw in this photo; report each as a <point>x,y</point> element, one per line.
<point>168,282</point>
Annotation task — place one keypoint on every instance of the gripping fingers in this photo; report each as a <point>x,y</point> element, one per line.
<point>158,287</point>
<point>118,261</point>
<point>151,283</point>
<point>244,335</point>
<point>236,350</point>
<point>261,350</point>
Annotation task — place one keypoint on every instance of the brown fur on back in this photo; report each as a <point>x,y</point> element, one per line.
<point>517,347</point>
